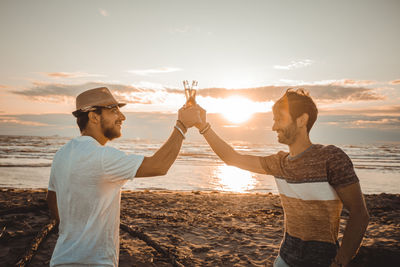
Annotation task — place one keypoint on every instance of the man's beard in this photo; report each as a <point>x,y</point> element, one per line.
<point>288,135</point>
<point>111,132</point>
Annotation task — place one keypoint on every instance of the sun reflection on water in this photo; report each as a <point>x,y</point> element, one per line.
<point>229,178</point>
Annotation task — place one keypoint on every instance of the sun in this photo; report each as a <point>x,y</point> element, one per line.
<point>237,109</point>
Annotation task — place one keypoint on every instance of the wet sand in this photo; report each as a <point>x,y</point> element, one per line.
<point>192,229</point>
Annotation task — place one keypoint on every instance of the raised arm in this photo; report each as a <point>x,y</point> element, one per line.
<point>224,151</point>
<point>162,160</point>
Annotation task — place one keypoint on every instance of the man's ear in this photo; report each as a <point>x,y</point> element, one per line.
<point>302,120</point>
<point>94,117</point>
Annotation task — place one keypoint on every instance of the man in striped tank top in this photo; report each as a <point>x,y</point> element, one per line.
<point>314,182</point>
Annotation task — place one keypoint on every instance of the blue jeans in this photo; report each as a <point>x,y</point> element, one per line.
<point>279,262</point>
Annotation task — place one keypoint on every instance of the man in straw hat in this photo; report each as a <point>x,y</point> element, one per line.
<point>314,182</point>
<point>86,177</point>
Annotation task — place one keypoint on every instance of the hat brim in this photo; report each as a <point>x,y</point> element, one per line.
<point>78,111</point>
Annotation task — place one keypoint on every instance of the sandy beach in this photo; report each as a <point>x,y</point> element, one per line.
<point>167,228</point>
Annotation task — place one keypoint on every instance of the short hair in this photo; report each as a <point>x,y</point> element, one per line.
<point>299,102</point>
<point>82,118</point>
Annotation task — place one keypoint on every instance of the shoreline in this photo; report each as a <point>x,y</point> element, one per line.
<point>196,228</point>
<point>204,179</point>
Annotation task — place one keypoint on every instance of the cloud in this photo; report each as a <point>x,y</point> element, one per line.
<point>295,65</point>
<point>381,121</point>
<point>149,93</point>
<point>154,71</point>
<point>103,12</point>
<point>350,82</point>
<point>2,86</point>
<point>374,111</point>
<point>363,122</point>
<point>13,120</point>
<point>57,92</point>
<point>70,74</point>
<point>395,82</point>
<point>43,89</point>
<point>327,92</point>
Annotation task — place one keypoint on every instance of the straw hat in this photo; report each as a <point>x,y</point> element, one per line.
<point>97,97</point>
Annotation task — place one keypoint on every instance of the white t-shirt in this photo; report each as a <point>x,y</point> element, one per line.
<point>87,178</point>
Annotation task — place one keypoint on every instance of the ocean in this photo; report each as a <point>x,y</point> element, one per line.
<point>25,162</point>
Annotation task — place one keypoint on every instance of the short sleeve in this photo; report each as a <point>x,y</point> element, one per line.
<point>272,164</point>
<point>117,165</point>
<point>340,170</point>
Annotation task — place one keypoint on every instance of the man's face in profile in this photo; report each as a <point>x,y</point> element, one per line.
<point>111,122</point>
<point>284,126</point>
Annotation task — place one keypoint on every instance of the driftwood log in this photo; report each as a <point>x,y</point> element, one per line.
<point>39,238</point>
<point>25,259</point>
<point>142,236</point>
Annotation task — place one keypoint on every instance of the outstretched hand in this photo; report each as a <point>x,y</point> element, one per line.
<point>203,117</point>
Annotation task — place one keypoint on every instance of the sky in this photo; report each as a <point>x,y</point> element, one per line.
<point>244,54</point>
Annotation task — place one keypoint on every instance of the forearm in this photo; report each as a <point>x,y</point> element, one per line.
<point>223,150</point>
<point>167,154</point>
<point>352,237</point>
<point>52,204</point>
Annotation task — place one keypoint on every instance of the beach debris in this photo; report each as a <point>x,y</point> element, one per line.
<point>142,236</point>
<point>40,237</point>
<point>3,233</point>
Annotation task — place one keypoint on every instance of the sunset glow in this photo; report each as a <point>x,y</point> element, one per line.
<point>234,179</point>
<point>236,109</point>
